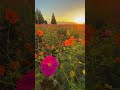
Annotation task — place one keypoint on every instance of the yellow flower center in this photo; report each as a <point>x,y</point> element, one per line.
<point>49,64</point>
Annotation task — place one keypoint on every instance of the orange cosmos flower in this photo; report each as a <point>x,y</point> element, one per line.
<point>39,33</point>
<point>41,53</point>
<point>47,45</point>
<point>69,42</point>
<point>11,16</point>
<point>79,40</point>
<point>42,48</point>
<point>71,38</point>
<point>52,47</point>
<point>83,42</point>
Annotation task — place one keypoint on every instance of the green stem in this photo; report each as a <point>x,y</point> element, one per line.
<point>67,78</point>
<point>7,83</point>
<point>79,83</point>
<point>5,53</point>
<point>8,40</point>
<point>27,67</point>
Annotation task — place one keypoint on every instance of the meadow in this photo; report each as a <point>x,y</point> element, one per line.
<point>60,57</point>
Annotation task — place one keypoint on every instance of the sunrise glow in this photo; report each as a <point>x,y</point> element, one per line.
<point>79,20</point>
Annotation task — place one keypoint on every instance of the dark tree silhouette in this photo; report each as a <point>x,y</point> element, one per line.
<point>53,20</point>
<point>45,22</point>
<point>38,17</point>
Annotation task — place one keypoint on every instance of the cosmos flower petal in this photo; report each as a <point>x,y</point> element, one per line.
<point>26,82</point>
<point>49,66</point>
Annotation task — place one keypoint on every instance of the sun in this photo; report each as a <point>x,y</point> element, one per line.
<point>79,20</point>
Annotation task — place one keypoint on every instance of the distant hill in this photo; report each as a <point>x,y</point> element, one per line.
<point>66,22</point>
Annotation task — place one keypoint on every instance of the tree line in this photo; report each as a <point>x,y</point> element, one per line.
<point>40,20</point>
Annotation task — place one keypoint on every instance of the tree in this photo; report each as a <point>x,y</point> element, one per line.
<point>53,20</point>
<point>45,22</point>
<point>38,17</point>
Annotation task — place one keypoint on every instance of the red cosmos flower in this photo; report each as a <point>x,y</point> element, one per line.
<point>36,56</point>
<point>89,34</point>
<point>11,16</point>
<point>14,64</point>
<point>117,59</point>
<point>47,53</point>
<point>28,45</point>
<point>106,34</point>
<point>39,33</point>
<point>26,82</point>
<point>27,62</point>
<point>2,70</point>
<point>49,66</point>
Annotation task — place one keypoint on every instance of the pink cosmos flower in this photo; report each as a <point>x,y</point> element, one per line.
<point>106,34</point>
<point>49,66</point>
<point>26,82</point>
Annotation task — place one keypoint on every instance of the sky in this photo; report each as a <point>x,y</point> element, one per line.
<point>64,10</point>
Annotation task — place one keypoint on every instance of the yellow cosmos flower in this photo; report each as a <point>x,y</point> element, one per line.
<point>72,74</point>
<point>83,71</point>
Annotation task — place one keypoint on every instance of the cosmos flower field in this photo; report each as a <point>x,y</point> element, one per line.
<point>59,53</point>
